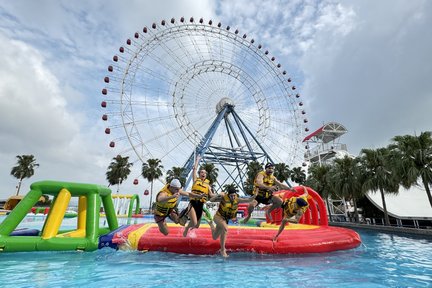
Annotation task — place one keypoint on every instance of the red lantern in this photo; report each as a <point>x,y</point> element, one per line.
<point>135,182</point>
<point>146,192</point>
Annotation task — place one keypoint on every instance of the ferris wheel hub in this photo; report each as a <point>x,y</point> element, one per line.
<point>222,103</point>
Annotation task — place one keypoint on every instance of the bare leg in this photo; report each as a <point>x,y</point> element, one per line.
<point>251,207</point>
<point>222,243</point>
<point>276,203</point>
<point>192,222</point>
<point>221,231</point>
<point>163,228</point>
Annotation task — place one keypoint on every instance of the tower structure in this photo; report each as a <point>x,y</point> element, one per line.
<point>322,147</point>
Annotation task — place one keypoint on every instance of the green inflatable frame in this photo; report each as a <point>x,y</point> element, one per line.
<point>91,197</point>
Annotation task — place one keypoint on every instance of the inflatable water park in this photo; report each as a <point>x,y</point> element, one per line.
<point>311,235</point>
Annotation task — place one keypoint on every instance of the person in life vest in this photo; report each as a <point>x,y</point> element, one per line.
<point>293,209</point>
<point>166,203</point>
<point>264,185</point>
<point>227,210</point>
<point>201,186</point>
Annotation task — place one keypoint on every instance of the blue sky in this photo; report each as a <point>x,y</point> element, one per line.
<point>364,64</point>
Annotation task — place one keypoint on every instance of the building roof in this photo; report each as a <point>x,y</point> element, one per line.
<point>328,132</point>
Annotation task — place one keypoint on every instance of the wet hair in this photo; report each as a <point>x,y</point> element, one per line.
<point>232,190</point>
<point>301,202</point>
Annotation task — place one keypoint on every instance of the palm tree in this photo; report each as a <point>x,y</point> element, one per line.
<point>212,172</point>
<point>176,172</point>
<point>254,167</point>
<point>414,160</point>
<point>24,169</point>
<point>318,179</point>
<point>151,171</point>
<point>282,172</point>
<point>345,179</point>
<point>298,175</point>
<point>378,175</point>
<point>118,171</point>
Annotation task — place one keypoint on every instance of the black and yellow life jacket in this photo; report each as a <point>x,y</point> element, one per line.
<point>164,208</point>
<point>290,208</point>
<point>202,188</point>
<point>227,208</point>
<point>268,180</point>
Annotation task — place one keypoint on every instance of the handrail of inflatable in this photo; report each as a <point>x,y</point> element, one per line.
<point>133,199</point>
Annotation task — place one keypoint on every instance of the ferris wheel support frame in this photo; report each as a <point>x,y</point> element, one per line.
<point>226,156</point>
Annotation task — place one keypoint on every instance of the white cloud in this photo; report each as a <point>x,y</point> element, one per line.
<point>365,64</point>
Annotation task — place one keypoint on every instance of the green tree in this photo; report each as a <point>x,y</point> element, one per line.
<point>318,180</point>
<point>151,171</point>
<point>176,173</point>
<point>253,168</point>
<point>118,171</point>
<point>413,160</point>
<point>345,179</point>
<point>25,167</point>
<point>282,172</point>
<point>298,175</point>
<point>378,176</point>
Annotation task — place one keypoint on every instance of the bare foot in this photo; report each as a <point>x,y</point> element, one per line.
<point>224,254</point>
<point>185,232</point>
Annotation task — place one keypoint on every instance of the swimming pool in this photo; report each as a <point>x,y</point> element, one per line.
<point>384,260</point>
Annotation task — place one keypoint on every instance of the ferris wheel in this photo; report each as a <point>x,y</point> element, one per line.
<point>185,87</point>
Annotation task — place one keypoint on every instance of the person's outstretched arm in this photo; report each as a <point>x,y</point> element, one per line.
<point>163,197</point>
<point>282,185</point>
<point>195,167</point>
<point>281,228</point>
<point>217,197</point>
<point>190,194</point>
<point>246,200</point>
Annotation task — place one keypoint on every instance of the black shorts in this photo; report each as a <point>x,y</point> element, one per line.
<point>198,206</point>
<point>263,200</point>
<point>158,218</point>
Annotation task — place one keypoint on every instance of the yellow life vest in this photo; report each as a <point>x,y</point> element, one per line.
<point>290,208</point>
<point>202,188</point>
<point>268,180</point>
<point>228,209</point>
<point>164,208</point>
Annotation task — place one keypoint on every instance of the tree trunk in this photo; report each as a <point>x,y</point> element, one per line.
<point>428,192</point>
<point>386,217</point>
<point>151,196</point>
<point>356,215</point>
<point>19,187</point>
<point>328,209</point>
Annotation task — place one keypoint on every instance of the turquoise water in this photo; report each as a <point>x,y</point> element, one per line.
<point>384,260</point>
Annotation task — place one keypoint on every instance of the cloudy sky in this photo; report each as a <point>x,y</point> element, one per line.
<point>365,64</point>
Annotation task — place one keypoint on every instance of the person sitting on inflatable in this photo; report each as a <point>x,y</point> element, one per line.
<point>166,201</point>
<point>227,210</point>
<point>293,206</point>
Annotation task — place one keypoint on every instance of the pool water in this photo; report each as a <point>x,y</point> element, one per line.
<point>383,260</point>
